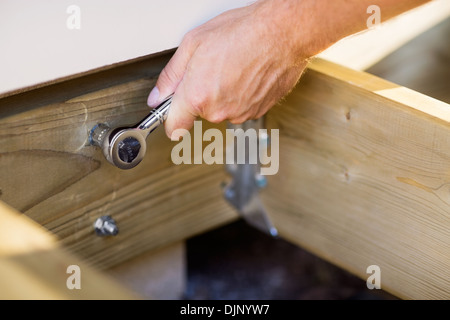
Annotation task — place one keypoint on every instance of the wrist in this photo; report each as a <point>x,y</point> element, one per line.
<point>299,26</point>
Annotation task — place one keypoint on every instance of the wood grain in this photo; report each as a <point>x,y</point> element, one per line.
<point>364,178</point>
<point>49,172</point>
<point>33,266</point>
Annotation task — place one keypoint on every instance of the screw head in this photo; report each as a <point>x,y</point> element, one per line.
<point>106,226</point>
<point>98,134</point>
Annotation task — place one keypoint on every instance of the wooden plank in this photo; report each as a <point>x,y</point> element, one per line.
<point>49,172</point>
<point>33,266</point>
<point>422,65</point>
<point>364,49</point>
<point>157,274</point>
<point>364,176</point>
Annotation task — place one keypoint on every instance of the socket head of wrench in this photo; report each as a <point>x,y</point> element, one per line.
<point>123,147</point>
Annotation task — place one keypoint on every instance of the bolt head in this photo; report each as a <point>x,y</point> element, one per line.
<point>105,226</point>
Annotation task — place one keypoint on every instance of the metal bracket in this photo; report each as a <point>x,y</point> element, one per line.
<point>243,191</point>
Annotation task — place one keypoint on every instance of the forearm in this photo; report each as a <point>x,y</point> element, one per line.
<point>314,25</point>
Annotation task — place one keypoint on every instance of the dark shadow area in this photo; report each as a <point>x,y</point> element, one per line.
<point>240,262</point>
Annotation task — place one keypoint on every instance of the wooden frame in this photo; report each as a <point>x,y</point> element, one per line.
<point>34,266</point>
<point>363,176</point>
<point>64,184</point>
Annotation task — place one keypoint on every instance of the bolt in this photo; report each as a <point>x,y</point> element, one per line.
<point>273,232</point>
<point>105,226</point>
<point>97,134</point>
<point>261,181</point>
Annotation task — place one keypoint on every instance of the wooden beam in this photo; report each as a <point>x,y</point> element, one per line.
<point>158,274</point>
<point>363,50</point>
<point>422,64</point>
<point>33,266</point>
<point>364,176</point>
<point>49,172</point>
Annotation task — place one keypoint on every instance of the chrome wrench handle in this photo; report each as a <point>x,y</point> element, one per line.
<point>156,117</point>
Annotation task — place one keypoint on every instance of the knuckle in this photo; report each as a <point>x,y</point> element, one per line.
<point>198,103</point>
<point>238,120</point>
<point>217,117</point>
<point>259,114</point>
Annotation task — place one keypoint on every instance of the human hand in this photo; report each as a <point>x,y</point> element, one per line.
<point>239,64</point>
<point>234,67</point>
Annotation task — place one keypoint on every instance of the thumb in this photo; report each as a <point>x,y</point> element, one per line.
<point>171,75</point>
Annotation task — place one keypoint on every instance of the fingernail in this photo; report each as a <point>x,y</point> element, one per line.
<point>153,97</point>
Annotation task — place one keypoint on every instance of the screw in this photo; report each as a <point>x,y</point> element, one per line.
<point>105,226</point>
<point>261,181</point>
